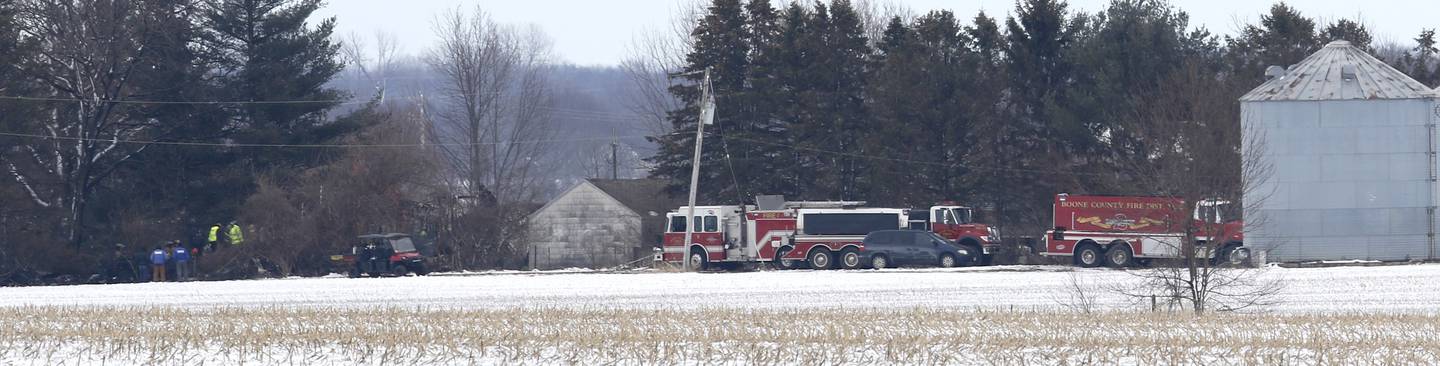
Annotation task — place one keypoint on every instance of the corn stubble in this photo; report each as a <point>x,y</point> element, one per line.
<point>59,335</point>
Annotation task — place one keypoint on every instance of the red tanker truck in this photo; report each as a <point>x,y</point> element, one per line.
<point>1124,231</point>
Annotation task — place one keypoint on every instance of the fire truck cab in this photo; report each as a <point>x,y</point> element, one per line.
<point>958,224</point>
<point>714,233</point>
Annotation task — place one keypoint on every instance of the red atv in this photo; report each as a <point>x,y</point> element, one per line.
<point>383,254</point>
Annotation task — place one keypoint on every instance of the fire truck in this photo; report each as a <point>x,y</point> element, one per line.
<point>1124,231</point>
<point>958,224</point>
<point>820,235</point>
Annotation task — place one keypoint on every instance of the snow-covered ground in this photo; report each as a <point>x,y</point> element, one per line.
<point>1008,315</point>
<point>1404,288</point>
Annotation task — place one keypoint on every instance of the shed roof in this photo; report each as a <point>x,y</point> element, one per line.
<point>640,195</point>
<point>1321,77</point>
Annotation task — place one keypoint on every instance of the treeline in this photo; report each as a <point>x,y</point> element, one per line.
<point>1000,114</point>
<point>138,122</point>
<point>98,96</point>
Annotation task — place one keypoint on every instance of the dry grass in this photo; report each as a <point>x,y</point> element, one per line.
<point>54,335</point>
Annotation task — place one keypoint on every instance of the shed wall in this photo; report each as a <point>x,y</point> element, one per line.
<point>583,228</point>
<point>1349,179</point>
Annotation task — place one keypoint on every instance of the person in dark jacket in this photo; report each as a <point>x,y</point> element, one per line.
<point>182,261</point>
<point>169,260</point>
<point>157,265</point>
<point>121,269</point>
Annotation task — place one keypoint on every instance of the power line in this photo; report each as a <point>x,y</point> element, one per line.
<point>908,161</point>
<point>197,102</point>
<point>302,146</point>
<point>599,115</point>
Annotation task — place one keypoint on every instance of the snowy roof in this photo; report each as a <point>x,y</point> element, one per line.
<point>1339,71</point>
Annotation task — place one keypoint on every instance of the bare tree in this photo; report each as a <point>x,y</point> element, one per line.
<point>1194,153</point>
<point>496,131</point>
<point>91,56</point>
<point>598,159</point>
<point>295,224</point>
<point>875,15</point>
<point>653,55</point>
<point>1080,295</point>
<point>375,65</point>
<point>524,143</point>
<point>496,99</point>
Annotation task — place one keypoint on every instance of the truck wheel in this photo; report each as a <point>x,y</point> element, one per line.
<point>420,269</point>
<point>1232,256</point>
<point>399,270</point>
<point>698,260</point>
<point>1119,256</point>
<point>947,261</point>
<point>781,263</point>
<point>821,259</point>
<point>1088,256</point>
<point>879,261</point>
<point>850,259</point>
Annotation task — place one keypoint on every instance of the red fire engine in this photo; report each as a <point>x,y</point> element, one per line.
<point>1121,231</point>
<point>821,235</point>
<point>958,224</point>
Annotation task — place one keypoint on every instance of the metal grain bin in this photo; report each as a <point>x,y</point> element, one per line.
<point>1350,144</point>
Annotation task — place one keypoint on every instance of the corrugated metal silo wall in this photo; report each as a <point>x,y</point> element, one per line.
<point>1347,179</point>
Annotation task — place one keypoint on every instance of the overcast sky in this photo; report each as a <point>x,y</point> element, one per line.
<point>596,32</point>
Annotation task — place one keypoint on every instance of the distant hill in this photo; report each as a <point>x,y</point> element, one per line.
<point>590,112</point>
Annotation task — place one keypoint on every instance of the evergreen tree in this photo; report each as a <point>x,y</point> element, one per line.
<point>1423,61</point>
<point>894,39</point>
<point>760,150</point>
<point>1347,30</point>
<point>1129,50</point>
<point>790,63</point>
<point>834,119</point>
<point>918,96</point>
<point>1044,124</point>
<point>14,51</point>
<point>897,98</point>
<point>721,45</point>
<point>265,53</point>
<point>173,182</point>
<point>1283,38</point>
<point>993,155</point>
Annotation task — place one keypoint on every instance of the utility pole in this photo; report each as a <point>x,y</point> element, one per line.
<point>707,116</point>
<point>614,163</point>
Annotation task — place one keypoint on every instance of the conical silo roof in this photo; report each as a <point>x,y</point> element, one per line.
<point>1340,71</point>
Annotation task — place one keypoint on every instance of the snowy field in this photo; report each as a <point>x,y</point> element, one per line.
<point>1407,288</point>
<point>1007,315</point>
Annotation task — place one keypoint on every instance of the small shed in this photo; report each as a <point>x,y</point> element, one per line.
<point>1349,144</point>
<point>599,223</point>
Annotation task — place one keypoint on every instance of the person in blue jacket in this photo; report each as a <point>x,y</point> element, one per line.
<point>182,261</point>
<point>157,265</point>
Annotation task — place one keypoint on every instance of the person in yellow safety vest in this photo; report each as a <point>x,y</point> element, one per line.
<point>234,235</point>
<point>212,238</point>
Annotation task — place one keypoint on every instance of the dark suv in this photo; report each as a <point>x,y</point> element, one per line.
<point>893,248</point>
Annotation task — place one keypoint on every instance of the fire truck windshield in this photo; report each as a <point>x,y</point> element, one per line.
<point>959,216</point>
<point>703,224</point>
<point>1228,211</point>
<point>677,224</point>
